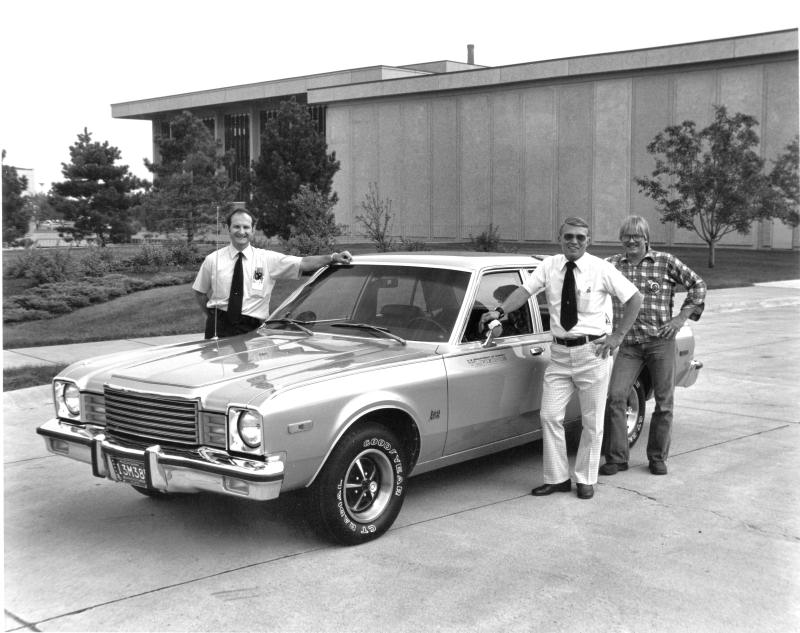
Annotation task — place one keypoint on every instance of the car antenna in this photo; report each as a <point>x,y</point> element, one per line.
<point>214,282</point>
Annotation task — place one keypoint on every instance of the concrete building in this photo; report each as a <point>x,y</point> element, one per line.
<point>457,146</point>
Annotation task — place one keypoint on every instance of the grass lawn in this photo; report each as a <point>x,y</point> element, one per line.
<point>22,377</point>
<point>154,312</point>
<point>172,310</point>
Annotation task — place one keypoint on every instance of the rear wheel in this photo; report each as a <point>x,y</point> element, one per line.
<point>634,412</point>
<point>361,489</point>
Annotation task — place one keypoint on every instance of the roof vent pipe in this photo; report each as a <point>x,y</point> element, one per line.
<point>470,53</point>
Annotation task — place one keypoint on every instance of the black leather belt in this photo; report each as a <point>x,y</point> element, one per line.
<point>574,342</point>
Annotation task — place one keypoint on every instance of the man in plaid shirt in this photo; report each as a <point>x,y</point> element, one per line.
<point>650,342</point>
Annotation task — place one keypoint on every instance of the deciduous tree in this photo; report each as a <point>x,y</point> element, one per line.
<point>16,214</point>
<point>712,180</point>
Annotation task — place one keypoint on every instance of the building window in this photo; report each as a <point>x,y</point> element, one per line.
<point>237,138</point>
<point>211,123</point>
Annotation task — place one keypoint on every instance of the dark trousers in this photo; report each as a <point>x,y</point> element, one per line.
<point>226,327</point>
<point>658,355</point>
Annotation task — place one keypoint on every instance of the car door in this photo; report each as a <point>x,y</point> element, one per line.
<point>494,393</point>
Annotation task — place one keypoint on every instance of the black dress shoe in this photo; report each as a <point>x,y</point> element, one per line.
<point>548,489</point>
<point>658,468</point>
<point>585,491</point>
<point>612,469</point>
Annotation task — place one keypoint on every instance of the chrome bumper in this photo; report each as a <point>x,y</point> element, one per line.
<point>691,375</point>
<point>203,469</point>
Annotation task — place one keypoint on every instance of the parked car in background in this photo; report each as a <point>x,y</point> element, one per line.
<point>368,374</point>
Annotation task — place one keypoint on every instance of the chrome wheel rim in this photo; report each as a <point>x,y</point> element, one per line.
<point>632,411</point>
<point>368,485</point>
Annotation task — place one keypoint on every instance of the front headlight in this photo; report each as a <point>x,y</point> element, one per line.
<point>67,399</point>
<point>245,430</point>
<point>249,427</point>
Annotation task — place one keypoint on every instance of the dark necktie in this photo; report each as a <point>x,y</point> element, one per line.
<point>569,305</point>
<point>237,290</point>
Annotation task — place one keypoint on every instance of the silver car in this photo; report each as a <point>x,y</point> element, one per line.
<point>366,375</point>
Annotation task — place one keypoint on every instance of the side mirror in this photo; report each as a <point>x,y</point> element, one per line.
<point>493,330</point>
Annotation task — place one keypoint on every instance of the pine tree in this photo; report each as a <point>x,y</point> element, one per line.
<point>293,153</point>
<point>190,183</point>
<point>97,193</point>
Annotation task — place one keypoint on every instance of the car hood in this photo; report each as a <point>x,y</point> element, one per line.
<point>240,368</point>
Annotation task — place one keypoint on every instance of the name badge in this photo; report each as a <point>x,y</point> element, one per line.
<point>258,279</point>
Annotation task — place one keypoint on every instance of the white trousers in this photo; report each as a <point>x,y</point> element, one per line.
<point>571,369</point>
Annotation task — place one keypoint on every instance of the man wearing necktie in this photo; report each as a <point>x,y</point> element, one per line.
<point>577,286</point>
<point>234,284</point>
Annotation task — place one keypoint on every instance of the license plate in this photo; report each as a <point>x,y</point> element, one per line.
<point>130,471</point>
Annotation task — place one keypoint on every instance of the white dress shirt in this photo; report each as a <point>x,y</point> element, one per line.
<point>596,281</point>
<point>261,269</point>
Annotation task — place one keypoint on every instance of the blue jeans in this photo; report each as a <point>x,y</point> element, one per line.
<point>658,355</point>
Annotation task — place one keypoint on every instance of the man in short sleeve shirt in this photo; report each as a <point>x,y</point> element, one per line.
<point>260,270</point>
<point>649,343</point>
<point>580,356</point>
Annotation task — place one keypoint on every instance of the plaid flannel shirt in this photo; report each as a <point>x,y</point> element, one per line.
<point>656,277</point>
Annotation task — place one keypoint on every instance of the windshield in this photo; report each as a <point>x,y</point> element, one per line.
<point>415,303</point>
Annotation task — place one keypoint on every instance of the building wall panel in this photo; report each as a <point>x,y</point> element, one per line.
<point>539,163</point>
<point>652,112</point>
<point>779,127</point>
<point>364,133</point>
<point>506,154</point>
<point>612,141</point>
<point>415,201</point>
<point>445,169</point>
<point>575,140</point>
<point>474,158</point>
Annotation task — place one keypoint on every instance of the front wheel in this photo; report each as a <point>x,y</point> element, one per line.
<point>361,489</point>
<point>634,412</point>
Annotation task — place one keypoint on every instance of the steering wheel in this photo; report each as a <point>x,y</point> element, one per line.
<point>426,323</point>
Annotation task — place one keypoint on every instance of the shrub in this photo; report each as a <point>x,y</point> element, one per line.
<point>96,262</point>
<point>488,241</point>
<point>150,256</point>
<point>183,254</point>
<point>314,230</point>
<point>407,244</point>
<point>377,218</point>
<point>44,266</point>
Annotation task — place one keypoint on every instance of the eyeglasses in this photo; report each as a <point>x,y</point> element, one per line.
<point>568,237</point>
<point>630,237</point>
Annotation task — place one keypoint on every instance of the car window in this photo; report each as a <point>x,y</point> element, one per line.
<point>495,288</point>
<point>413,302</point>
<point>544,311</point>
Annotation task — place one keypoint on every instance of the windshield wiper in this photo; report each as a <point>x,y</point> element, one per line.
<point>372,328</point>
<point>292,322</point>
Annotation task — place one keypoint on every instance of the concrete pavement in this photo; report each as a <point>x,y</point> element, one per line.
<point>766,295</point>
<point>713,547</point>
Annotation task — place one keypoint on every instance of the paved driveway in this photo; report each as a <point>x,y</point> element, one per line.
<point>714,546</point>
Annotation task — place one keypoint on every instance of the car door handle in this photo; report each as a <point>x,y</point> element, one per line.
<point>537,351</point>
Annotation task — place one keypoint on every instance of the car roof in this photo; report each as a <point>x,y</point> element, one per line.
<point>469,260</point>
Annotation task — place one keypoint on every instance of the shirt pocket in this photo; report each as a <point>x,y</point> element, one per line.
<point>259,281</point>
<point>584,300</point>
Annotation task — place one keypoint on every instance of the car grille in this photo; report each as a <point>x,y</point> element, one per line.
<point>131,416</point>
